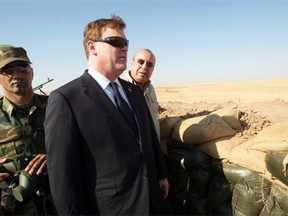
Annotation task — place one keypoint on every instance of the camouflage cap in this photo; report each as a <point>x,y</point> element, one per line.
<point>10,54</point>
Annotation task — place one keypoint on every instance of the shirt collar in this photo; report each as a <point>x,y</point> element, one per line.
<point>8,106</point>
<point>101,80</point>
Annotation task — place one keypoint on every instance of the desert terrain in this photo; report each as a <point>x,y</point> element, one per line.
<point>261,102</point>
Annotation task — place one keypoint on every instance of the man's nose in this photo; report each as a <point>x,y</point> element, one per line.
<point>125,48</point>
<point>144,65</point>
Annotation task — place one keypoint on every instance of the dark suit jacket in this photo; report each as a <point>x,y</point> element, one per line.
<point>96,165</point>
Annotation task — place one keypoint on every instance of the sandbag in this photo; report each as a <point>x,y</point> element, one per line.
<point>280,193</point>
<point>245,201</point>
<point>276,204</point>
<point>274,164</point>
<point>201,129</point>
<point>237,174</point>
<point>248,158</point>
<point>232,172</point>
<point>272,138</point>
<point>272,208</point>
<point>231,116</point>
<point>219,148</point>
<point>167,124</point>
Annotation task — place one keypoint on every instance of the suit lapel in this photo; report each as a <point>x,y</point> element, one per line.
<point>94,90</point>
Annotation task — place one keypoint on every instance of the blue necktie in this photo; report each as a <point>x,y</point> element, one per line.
<point>124,108</point>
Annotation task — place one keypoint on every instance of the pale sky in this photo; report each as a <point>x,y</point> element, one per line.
<point>193,41</point>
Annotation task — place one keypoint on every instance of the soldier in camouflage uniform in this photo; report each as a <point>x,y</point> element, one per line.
<point>22,115</point>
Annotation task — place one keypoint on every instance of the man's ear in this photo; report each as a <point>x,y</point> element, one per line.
<point>91,47</point>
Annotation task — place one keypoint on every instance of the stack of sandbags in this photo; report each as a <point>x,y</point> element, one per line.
<point>250,190</point>
<point>277,202</point>
<point>215,132</point>
<point>252,153</point>
<point>214,136</point>
<point>211,130</point>
<point>211,172</point>
<point>193,188</point>
<point>203,185</point>
<point>190,178</point>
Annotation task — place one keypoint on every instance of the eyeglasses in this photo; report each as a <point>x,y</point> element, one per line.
<point>10,69</point>
<point>115,41</point>
<point>148,63</point>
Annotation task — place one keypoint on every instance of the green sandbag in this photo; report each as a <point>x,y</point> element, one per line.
<point>272,208</point>
<point>232,172</point>
<point>237,174</point>
<point>279,193</point>
<point>274,164</point>
<point>245,201</point>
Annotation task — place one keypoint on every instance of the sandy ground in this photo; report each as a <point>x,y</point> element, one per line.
<point>261,102</point>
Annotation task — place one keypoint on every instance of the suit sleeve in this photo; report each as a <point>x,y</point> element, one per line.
<point>158,154</point>
<point>62,145</point>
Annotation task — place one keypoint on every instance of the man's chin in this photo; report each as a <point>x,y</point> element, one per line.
<point>122,67</point>
<point>141,79</point>
<point>20,90</point>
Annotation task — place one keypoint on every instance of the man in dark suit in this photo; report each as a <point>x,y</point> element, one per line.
<point>98,163</point>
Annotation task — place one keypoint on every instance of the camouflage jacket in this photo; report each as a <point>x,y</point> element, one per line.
<point>21,130</point>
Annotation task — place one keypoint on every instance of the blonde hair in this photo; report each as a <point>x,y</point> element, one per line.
<point>93,30</point>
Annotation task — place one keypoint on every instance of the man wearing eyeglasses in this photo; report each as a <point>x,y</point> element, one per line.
<point>142,67</point>
<point>22,144</point>
<point>103,153</point>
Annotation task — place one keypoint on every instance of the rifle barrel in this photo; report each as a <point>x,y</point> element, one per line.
<point>41,85</point>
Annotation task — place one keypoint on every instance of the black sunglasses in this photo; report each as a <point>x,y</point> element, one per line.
<point>115,41</point>
<point>11,68</point>
<point>148,63</point>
